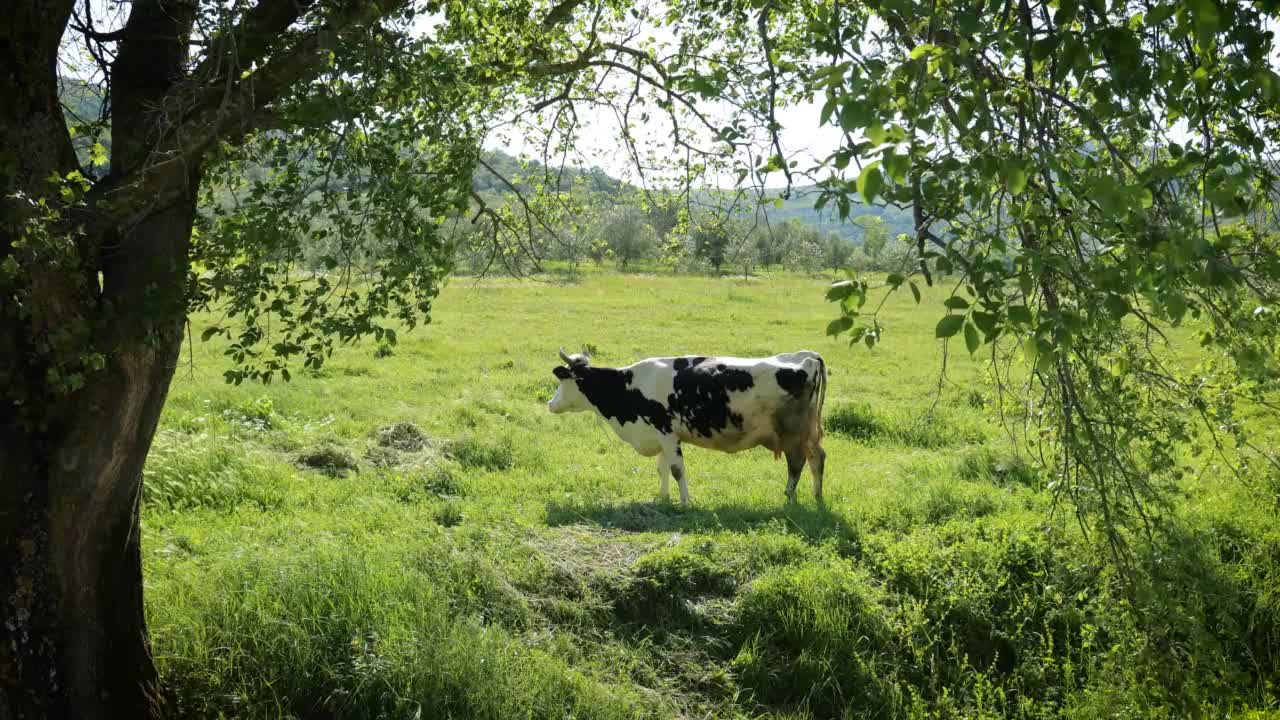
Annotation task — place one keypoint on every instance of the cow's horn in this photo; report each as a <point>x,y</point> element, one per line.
<point>584,352</point>
<point>565,358</point>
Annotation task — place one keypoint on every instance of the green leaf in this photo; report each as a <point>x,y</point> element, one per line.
<point>948,326</point>
<point>1116,306</point>
<point>1019,315</point>
<point>1044,47</point>
<point>923,49</point>
<point>971,340</point>
<point>1066,13</point>
<point>827,108</point>
<point>1175,307</point>
<point>840,290</point>
<point>1158,14</point>
<point>915,290</point>
<point>209,332</point>
<point>97,155</point>
<point>870,182</point>
<point>839,325</point>
<point>853,115</point>
<point>1015,177</point>
<point>1206,18</point>
<point>1030,349</point>
<point>985,321</point>
<point>897,165</point>
<point>955,302</point>
<point>895,280</point>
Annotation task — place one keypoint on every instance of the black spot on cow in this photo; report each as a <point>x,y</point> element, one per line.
<point>792,381</point>
<point>610,391</point>
<point>684,363</point>
<point>701,397</point>
<point>679,452</point>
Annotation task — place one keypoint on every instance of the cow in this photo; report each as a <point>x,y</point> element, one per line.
<point>722,403</point>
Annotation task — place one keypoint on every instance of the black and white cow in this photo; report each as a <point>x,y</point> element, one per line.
<point>722,403</point>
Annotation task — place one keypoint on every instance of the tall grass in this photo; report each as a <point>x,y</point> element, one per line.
<point>484,559</point>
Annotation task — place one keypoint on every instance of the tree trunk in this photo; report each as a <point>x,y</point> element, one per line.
<point>90,329</point>
<point>75,641</point>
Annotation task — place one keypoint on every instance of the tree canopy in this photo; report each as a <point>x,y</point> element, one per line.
<point>1085,175</point>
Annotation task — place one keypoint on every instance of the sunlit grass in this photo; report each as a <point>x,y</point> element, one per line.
<point>492,560</point>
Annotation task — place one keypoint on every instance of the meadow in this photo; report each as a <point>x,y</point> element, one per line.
<point>407,532</point>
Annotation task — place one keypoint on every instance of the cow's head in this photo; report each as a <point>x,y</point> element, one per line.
<point>569,397</point>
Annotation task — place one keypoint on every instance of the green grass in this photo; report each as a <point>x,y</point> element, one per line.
<point>485,559</point>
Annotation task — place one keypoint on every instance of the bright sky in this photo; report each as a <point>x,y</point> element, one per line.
<point>599,141</point>
<point>600,145</point>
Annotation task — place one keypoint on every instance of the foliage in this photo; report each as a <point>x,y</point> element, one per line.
<point>875,235</point>
<point>628,234</point>
<point>1085,176</point>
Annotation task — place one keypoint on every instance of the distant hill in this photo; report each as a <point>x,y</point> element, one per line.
<point>83,104</point>
<point>522,175</point>
<point>801,207</point>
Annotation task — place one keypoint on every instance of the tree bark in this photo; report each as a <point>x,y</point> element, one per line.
<point>73,640</point>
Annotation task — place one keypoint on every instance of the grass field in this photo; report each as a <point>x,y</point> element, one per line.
<point>309,554</point>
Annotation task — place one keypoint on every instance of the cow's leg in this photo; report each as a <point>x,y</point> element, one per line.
<point>677,469</point>
<point>664,472</point>
<point>817,464</point>
<point>795,464</point>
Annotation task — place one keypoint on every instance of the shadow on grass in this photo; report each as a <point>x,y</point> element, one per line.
<point>815,523</point>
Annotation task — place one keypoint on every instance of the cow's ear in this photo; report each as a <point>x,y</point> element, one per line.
<point>562,372</point>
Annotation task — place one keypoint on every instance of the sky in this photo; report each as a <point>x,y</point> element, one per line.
<point>599,143</point>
